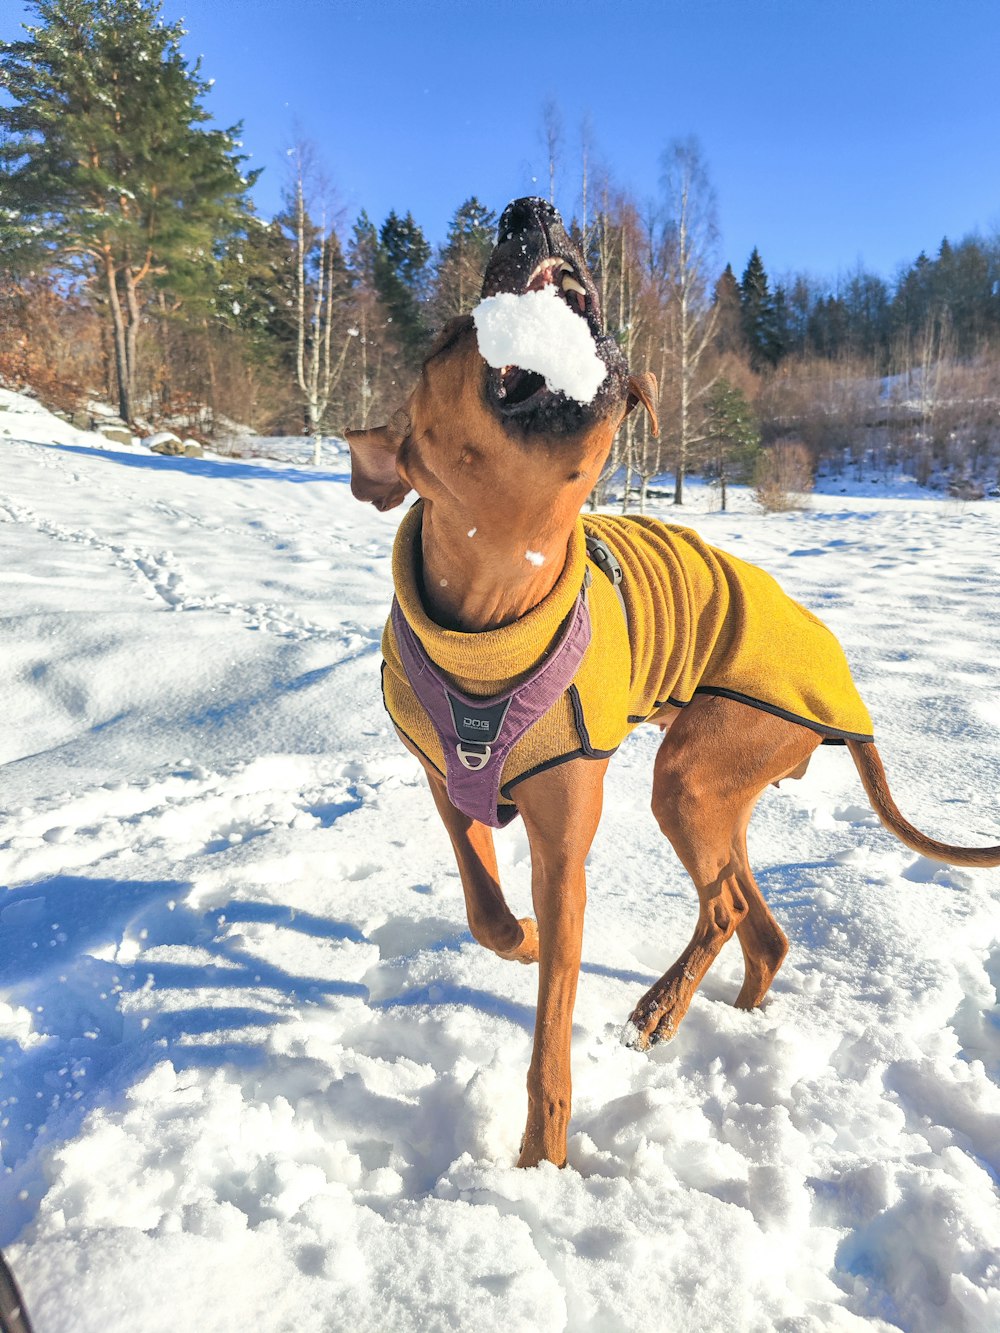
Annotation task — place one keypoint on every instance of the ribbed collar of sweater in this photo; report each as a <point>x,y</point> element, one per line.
<point>491,657</point>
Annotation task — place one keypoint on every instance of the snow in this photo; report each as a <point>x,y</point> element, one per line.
<point>257,1074</point>
<point>538,331</point>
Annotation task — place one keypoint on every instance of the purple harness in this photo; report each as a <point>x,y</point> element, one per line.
<point>477,735</point>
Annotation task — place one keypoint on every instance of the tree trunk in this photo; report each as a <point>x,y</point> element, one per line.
<point>165,376</point>
<point>213,381</point>
<point>366,397</point>
<point>315,432</point>
<point>121,351</point>
<point>131,329</point>
<point>685,377</point>
<point>680,470</point>
<point>107,375</point>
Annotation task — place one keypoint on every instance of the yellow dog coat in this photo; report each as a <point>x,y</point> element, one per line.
<point>697,621</point>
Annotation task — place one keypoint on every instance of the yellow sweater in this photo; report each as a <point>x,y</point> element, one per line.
<point>699,621</point>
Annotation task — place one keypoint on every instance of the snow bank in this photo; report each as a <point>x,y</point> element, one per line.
<point>538,331</point>
<point>256,1073</point>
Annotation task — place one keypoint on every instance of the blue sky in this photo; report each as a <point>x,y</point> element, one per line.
<point>835,131</point>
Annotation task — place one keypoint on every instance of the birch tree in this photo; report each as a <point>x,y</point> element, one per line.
<point>552,136</point>
<point>321,342</point>
<point>631,290</point>
<point>689,242</point>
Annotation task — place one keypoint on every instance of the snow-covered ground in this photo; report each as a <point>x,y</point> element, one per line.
<point>257,1075</point>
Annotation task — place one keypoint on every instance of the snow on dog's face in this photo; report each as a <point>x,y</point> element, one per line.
<point>458,437</point>
<point>537,333</point>
<point>540,328</point>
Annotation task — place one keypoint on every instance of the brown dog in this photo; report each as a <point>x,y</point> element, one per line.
<point>503,466</point>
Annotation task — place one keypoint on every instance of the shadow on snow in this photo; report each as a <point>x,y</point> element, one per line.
<point>216,468</point>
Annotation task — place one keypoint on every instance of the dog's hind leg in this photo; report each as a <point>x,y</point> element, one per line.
<point>761,938</point>
<point>714,762</point>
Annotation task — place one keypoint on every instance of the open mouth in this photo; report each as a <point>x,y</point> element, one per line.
<point>516,387</point>
<point>534,252</point>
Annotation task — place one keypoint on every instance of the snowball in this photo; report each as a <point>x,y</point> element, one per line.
<point>538,331</point>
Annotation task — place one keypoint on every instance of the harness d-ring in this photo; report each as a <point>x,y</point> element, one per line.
<point>473,755</point>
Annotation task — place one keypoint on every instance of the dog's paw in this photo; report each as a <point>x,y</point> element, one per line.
<point>633,1037</point>
<point>527,950</point>
<point>638,1038</point>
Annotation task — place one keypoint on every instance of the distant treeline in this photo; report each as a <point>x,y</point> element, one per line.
<point>957,292</point>
<point>135,268</point>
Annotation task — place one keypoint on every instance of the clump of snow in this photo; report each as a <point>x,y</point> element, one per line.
<point>538,331</point>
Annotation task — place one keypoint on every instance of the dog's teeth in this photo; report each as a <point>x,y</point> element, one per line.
<point>571,285</point>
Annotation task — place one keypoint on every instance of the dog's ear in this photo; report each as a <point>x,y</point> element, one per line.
<point>642,389</point>
<point>374,475</point>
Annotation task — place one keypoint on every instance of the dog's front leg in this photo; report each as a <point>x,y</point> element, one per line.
<point>561,809</point>
<point>490,919</point>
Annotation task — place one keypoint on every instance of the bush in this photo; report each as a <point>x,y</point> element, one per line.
<point>783,474</point>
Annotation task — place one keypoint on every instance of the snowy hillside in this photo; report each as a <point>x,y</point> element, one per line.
<point>257,1075</point>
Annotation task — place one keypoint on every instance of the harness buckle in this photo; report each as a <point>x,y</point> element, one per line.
<point>473,755</point>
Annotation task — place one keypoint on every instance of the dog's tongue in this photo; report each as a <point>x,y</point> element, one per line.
<point>538,332</point>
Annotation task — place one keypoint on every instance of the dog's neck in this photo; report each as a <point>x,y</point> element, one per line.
<point>481,578</point>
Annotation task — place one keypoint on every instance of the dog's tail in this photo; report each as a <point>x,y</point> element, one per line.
<point>869,766</point>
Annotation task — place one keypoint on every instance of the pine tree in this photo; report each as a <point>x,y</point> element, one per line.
<point>800,302</point>
<point>729,314</point>
<point>461,261</point>
<point>782,323</point>
<point>759,317</point>
<point>829,326</point>
<point>733,436</point>
<point>912,304</point>
<point>401,281</point>
<point>362,249</point>
<point>366,355</point>
<point>108,165</point>
<point>963,288</point>
<point>256,276</point>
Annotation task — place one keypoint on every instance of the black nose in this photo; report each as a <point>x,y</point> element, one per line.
<point>528,214</point>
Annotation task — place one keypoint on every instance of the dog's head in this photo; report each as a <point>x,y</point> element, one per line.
<point>467,423</point>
